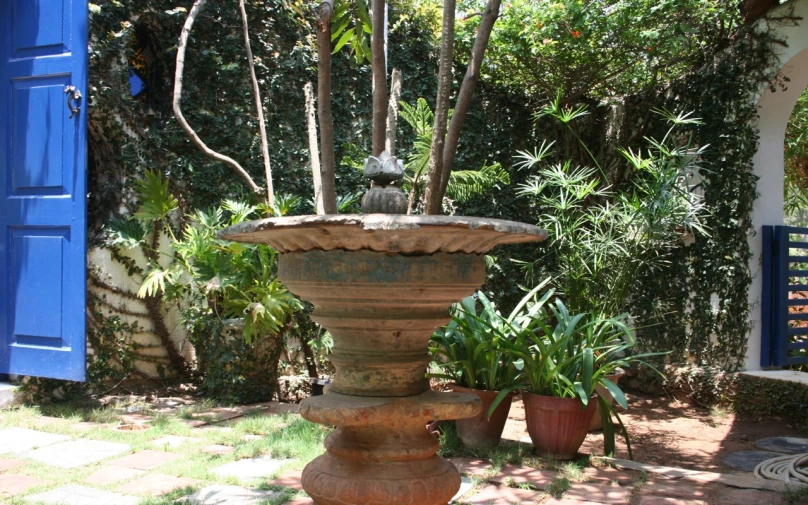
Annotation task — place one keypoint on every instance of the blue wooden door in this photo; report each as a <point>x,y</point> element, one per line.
<point>43,52</point>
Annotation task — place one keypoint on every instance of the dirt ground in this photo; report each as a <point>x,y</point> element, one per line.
<point>667,432</point>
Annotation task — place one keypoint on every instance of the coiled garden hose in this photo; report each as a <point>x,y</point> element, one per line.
<point>788,469</point>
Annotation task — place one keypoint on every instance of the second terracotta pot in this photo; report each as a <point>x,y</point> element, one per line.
<point>480,431</point>
<point>557,426</point>
<point>597,421</point>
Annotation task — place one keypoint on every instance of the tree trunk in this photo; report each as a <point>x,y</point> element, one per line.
<point>434,198</point>
<point>472,77</point>
<point>314,153</point>
<point>262,127</point>
<point>327,164</point>
<point>379,78</point>
<point>181,47</point>
<point>392,112</point>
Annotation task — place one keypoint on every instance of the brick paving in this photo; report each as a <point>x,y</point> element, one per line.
<point>146,460</point>
<point>156,484</point>
<point>82,495</point>
<point>131,479</point>
<point>289,479</point>
<point>12,484</point>
<point>111,474</point>
<point>514,475</point>
<point>8,464</point>
<point>496,495</point>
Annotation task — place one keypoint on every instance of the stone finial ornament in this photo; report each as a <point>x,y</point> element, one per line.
<point>384,197</point>
<point>385,169</point>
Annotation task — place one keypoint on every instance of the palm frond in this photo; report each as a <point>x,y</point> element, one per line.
<point>466,184</point>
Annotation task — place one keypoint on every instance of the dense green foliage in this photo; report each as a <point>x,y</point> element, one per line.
<point>770,397</point>
<point>234,308</point>
<point>796,162</point>
<point>600,237</point>
<point>600,49</point>
<point>473,349</point>
<point>621,61</point>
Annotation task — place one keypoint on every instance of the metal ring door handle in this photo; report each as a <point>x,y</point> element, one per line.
<point>74,95</point>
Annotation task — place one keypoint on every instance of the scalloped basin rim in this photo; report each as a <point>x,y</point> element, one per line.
<point>384,233</point>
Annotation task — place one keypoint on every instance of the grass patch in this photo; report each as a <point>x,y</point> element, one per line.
<point>506,453</point>
<point>558,486</point>
<point>796,495</point>
<point>283,436</point>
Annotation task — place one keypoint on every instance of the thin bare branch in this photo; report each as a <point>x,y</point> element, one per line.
<point>392,111</point>
<point>262,126</point>
<point>329,191</point>
<point>379,77</point>
<point>472,77</point>
<point>434,198</point>
<point>181,47</point>
<point>314,152</point>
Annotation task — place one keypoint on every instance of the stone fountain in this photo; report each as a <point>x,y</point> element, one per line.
<point>381,284</point>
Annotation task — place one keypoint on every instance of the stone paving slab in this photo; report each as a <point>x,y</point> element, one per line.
<point>788,445</point>
<point>8,464</point>
<point>674,490</point>
<point>229,495</point>
<point>741,480</point>
<point>251,468</point>
<point>728,496</point>
<point>145,460</point>
<point>747,460</point>
<point>7,393</point>
<point>156,484</point>
<point>77,452</point>
<point>21,440</point>
<point>465,487</point>
<point>82,495</point>
<point>12,484</point>
<point>111,474</point>
<point>218,450</point>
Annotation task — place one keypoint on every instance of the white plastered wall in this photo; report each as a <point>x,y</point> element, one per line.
<point>134,311</point>
<point>775,109</point>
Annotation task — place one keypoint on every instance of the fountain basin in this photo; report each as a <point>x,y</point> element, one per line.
<point>381,284</point>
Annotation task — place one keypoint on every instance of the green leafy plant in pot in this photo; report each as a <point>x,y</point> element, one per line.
<point>474,351</point>
<point>565,365</point>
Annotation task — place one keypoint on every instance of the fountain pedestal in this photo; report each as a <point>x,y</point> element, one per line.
<point>381,284</point>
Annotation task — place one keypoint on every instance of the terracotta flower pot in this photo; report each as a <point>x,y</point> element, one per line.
<point>557,426</point>
<point>597,423</point>
<point>480,432</point>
